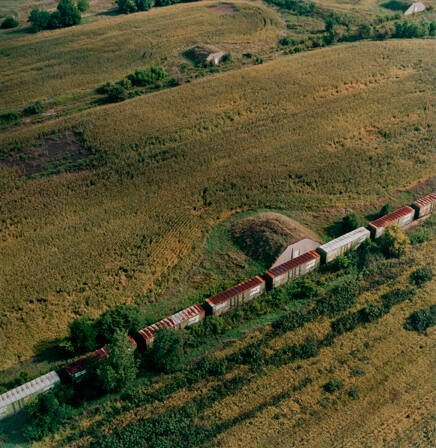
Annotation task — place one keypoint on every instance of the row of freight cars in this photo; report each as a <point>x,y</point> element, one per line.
<point>12,401</point>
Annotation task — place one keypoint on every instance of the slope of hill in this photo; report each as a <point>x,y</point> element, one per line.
<point>59,62</point>
<point>336,127</point>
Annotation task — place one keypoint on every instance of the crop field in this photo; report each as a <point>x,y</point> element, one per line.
<point>63,61</point>
<point>384,394</point>
<point>341,127</point>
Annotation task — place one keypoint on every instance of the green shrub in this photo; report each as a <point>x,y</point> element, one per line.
<point>385,210</point>
<point>396,296</point>
<point>332,386</point>
<point>143,78</point>
<point>421,320</point>
<point>9,117</point>
<point>45,416</point>
<point>372,312</point>
<point>9,22</point>
<point>421,276</point>
<point>345,323</point>
<point>353,393</point>
<point>351,222</point>
<point>116,93</point>
<point>34,108</point>
<point>82,336</point>
<point>339,298</point>
<point>394,242</point>
<point>39,19</point>
<point>420,236</point>
<point>286,41</point>
<point>83,5</point>
<point>168,351</point>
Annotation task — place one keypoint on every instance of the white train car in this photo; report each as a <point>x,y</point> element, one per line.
<point>14,400</point>
<point>351,240</point>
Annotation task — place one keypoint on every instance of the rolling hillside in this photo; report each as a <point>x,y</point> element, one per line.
<point>68,60</point>
<point>331,128</point>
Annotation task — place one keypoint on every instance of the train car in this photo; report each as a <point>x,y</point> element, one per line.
<point>425,206</point>
<point>401,217</point>
<point>338,246</point>
<point>235,296</point>
<point>182,319</point>
<point>292,269</point>
<point>14,400</point>
<point>76,369</point>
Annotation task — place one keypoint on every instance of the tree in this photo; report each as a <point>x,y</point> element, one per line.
<point>144,5</point>
<point>364,31</point>
<point>117,93</point>
<point>386,209</point>
<point>69,13</point>
<point>39,19</point>
<point>83,5</point>
<point>394,242</point>
<point>126,6</point>
<point>82,336</point>
<point>168,350</point>
<point>128,318</point>
<point>329,24</point>
<point>120,368</point>
<point>45,415</point>
<point>8,23</point>
<point>351,222</point>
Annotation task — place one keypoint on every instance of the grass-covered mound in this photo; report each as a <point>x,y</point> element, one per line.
<point>264,236</point>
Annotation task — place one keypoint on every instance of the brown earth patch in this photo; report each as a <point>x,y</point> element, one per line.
<point>51,155</point>
<point>223,8</point>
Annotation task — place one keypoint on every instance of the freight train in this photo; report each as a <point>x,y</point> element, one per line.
<point>14,400</point>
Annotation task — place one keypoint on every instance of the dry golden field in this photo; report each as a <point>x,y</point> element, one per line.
<point>339,127</point>
<point>65,61</point>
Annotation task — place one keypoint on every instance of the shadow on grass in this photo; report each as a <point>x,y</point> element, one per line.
<point>11,431</point>
<point>52,351</point>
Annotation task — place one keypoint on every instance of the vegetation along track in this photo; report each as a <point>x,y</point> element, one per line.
<point>259,137</point>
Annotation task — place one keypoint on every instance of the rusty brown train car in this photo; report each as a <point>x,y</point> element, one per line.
<point>292,269</point>
<point>188,316</point>
<point>235,296</point>
<point>401,217</point>
<point>425,206</point>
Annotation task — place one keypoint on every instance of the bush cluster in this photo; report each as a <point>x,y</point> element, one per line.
<point>86,336</point>
<point>130,6</point>
<point>122,89</point>
<point>9,22</point>
<point>421,320</point>
<point>66,14</point>
<point>421,276</point>
<point>372,312</point>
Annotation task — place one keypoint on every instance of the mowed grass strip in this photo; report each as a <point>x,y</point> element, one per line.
<point>57,62</point>
<point>336,127</point>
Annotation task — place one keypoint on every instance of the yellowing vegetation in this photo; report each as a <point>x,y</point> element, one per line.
<point>60,62</point>
<point>337,127</point>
